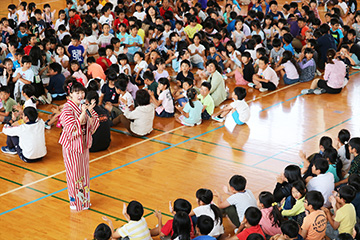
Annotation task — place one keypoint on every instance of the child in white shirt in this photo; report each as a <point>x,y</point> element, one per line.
<point>140,68</point>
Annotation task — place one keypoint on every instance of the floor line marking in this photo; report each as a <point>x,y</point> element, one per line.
<point>91,161</point>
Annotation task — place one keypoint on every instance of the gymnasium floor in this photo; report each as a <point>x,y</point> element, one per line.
<point>173,162</point>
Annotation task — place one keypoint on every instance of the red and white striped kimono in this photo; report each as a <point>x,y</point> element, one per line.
<point>76,139</point>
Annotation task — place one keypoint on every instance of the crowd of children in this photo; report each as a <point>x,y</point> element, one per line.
<point>305,204</point>
<point>142,59</point>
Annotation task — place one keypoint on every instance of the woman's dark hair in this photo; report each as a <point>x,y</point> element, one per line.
<point>181,226</point>
<point>332,155</point>
<point>326,142</point>
<point>288,56</point>
<point>267,199</point>
<point>213,61</point>
<point>191,94</point>
<point>292,173</point>
<point>330,55</point>
<point>299,185</point>
<point>344,137</point>
<point>206,196</point>
<point>142,97</point>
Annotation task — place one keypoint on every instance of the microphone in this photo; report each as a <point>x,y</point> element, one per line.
<point>87,110</point>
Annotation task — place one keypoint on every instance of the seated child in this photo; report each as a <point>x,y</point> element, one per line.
<point>207,208</point>
<point>248,70</point>
<point>266,79</point>
<point>154,55</point>
<point>7,105</point>
<point>203,227</point>
<point>57,80</point>
<point>239,201</point>
<point>165,103</point>
<point>238,109</point>
<point>191,112</point>
<point>289,69</point>
<point>124,96</point>
<point>108,91</point>
<point>184,72</point>
<point>335,164</point>
<point>214,55</point>
<point>344,218</point>
<point>206,100</point>
<point>288,38</point>
<point>307,65</point>
<point>250,224</point>
<point>139,68</point>
<point>133,42</point>
<point>138,122</point>
<point>180,95</point>
<point>324,181</point>
<point>197,52</point>
<point>94,69</point>
<point>102,232</point>
<point>180,205</point>
<point>314,225</point>
<point>26,140</point>
<point>123,64</point>
<point>271,217</point>
<point>150,83</point>
<point>161,72</point>
<point>136,228</point>
<point>289,231</point>
<point>276,52</point>
<point>293,207</point>
<point>76,72</point>
<point>23,75</point>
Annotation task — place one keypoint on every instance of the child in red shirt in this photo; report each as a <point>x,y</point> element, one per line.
<point>167,229</point>
<point>120,19</point>
<point>75,20</point>
<point>249,225</point>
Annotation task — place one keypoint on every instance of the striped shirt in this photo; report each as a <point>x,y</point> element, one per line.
<point>71,136</point>
<point>135,230</point>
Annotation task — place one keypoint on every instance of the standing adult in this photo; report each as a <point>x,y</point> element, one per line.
<point>76,139</point>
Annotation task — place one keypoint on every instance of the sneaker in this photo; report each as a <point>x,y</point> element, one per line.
<point>307,91</point>
<point>218,119</point>
<point>48,98</point>
<point>228,70</point>
<point>224,77</point>
<point>42,100</point>
<point>236,230</point>
<point>263,89</point>
<point>318,73</point>
<point>8,150</point>
<point>356,67</point>
<point>48,127</point>
<point>319,91</point>
<point>252,85</point>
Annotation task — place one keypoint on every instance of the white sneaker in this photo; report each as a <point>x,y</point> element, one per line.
<point>228,70</point>
<point>263,89</point>
<point>48,98</point>
<point>224,77</point>
<point>252,85</point>
<point>218,119</point>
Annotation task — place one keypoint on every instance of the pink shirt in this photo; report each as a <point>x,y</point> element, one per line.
<point>335,74</point>
<point>266,223</point>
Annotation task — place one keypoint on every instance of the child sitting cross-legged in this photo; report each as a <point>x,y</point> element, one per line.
<point>206,100</point>
<point>136,228</point>
<point>238,109</point>
<point>266,79</point>
<point>7,104</point>
<point>191,112</point>
<point>27,140</point>
<point>344,218</point>
<point>240,200</point>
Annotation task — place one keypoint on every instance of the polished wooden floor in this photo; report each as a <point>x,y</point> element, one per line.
<point>173,162</point>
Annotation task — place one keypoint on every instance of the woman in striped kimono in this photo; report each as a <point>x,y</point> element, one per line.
<point>76,139</point>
